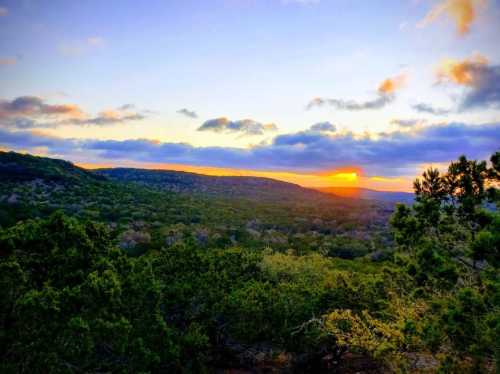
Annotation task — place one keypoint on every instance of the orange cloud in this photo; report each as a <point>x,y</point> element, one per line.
<point>70,110</point>
<point>110,114</point>
<point>391,85</point>
<point>462,12</point>
<point>465,72</point>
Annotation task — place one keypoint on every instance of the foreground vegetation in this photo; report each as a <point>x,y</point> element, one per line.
<point>111,276</point>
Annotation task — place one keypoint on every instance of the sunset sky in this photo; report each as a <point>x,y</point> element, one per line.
<point>316,92</point>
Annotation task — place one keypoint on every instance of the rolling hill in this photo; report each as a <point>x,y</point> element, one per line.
<point>258,188</point>
<point>153,203</point>
<point>17,167</point>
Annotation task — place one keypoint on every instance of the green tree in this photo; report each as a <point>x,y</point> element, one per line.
<point>70,301</point>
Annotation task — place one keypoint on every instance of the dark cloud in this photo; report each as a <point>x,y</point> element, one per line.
<point>323,127</point>
<point>27,140</point>
<point>391,154</point>
<point>35,106</point>
<point>313,134</point>
<point>108,118</point>
<point>125,107</point>
<point>188,113</point>
<point>379,102</point>
<point>244,127</point>
<point>386,93</point>
<point>100,120</point>
<point>485,90</point>
<point>30,112</point>
<point>481,81</point>
<point>23,123</point>
<point>428,108</point>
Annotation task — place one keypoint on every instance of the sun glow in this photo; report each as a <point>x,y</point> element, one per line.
<point>348,177</point>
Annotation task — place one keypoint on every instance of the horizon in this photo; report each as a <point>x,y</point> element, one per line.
<point>220,172</point>
<point>314,181</point>
<point>302,91</point>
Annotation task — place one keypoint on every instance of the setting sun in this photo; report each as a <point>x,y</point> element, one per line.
<point>348,177</point>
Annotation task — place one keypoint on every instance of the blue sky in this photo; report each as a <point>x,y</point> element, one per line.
<point>258,60</point>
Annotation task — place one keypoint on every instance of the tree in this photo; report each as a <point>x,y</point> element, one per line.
<point>449,209</point>
<point>446,233</point>
<point>466,185</point>
<point>71,301</point>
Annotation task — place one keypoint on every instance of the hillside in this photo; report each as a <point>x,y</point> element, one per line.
<point>226,186</point>
<point>157,207</point>
<point>16,167</point>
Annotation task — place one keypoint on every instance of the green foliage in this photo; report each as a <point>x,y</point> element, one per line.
<point>450,245</point>
<point>486,244</point>
<point>73,302</point>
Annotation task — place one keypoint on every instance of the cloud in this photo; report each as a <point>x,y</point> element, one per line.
<point>245,126</point>
<point>323,127</point>
<point>125,107</point>
<point>486,90</point>
<point>28,140</point>
<point>311,135</point>
<point>396,153</point>
<point>465,72</point>
<point>188,113</point>
<point>3,11</point>
<point>462,12</point>
<point>385,95</point>
<point>29,112</point>
<point>430,109</point>
<point>408,123</point>
<point>351,105</point>
<point>108,117</point>
<point>8,61</point>
<point>391,85</point>
<point>482,81</point>
<point>35,106</point>
<point>23,123</point>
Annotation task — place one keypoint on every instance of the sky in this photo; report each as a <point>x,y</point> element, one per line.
<point>316,92</point>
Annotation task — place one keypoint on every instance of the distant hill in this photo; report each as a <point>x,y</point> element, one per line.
<point>367,194</point>
<point>20,168</point>
<point>17,167</point>
<point>224,186</point>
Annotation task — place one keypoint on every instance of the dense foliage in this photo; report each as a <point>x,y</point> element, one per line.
<point>100,275</point>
